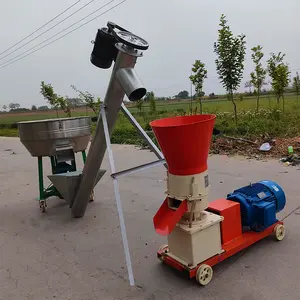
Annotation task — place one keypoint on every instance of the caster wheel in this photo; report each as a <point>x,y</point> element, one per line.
<point>164,249</point>
<point>92,196</point>
<point>279,231</point>
<point>204,274</point>
<point>43,206</point>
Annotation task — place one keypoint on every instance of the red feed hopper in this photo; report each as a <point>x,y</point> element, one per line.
<point>185,142</point>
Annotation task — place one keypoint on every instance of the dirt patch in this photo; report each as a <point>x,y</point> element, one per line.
<point>237,147</point>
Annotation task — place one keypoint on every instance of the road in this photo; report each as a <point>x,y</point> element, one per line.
<point>52,256</point>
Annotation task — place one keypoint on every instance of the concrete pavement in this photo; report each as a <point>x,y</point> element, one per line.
<point>53,256</point>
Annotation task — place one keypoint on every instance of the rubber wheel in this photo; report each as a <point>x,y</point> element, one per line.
<point>163,248</point>
<point>92,196</point>
<point>204,274</point>
<point>279,231</point>
<point>43,206</point>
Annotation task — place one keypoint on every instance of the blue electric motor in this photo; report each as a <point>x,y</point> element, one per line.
<point>259,203</point>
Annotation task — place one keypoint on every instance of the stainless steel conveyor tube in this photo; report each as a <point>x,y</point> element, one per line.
<point>129,49</point>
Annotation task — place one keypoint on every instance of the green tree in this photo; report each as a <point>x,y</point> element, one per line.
<point>54,100</point>
<point>279,73</point>
<point>13,106</point>
<point>89,100</point>
<point>230,51</point>
<point>259,75</point>
<point>199,73</point>
<point>139,105</point>
<point>150,96</point>
<point>48,93</point>
<point>4,107</point>
<point>64,105</point>
<point>74,102</point>
<point>182,95</point>
<point>248,85</point>
<point>152,105</point>
<point>296,85</point>
<point>212,96</point>
<point>33,107</point>
<point>43,107</point>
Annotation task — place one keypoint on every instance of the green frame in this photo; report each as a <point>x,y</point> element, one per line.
<point>51,190</point>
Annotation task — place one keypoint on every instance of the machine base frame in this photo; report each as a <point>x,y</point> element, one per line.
<point>230,248</point>
<point>50,191</point>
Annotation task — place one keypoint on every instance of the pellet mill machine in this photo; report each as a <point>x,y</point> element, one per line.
<point>202,233</point>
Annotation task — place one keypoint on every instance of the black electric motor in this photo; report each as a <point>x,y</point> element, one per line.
<point>105,51</point>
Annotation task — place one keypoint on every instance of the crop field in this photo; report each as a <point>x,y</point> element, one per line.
<point>270,119</point>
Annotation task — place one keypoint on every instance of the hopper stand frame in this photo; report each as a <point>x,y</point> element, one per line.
<point>51,190</point>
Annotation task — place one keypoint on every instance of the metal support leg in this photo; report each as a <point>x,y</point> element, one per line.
<point>52,164</point>
<point>41,179</point>
<point>118,199</point>
<point>83,156</point>
<point>142,132</point>
<point>73,162</point>
<point>138,168</point>
<point>84,160</point>
<point>42,199</point>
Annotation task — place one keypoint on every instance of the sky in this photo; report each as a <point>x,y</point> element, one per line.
<point>179,32</point>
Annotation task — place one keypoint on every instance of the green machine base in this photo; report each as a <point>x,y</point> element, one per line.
<point>58,166</point>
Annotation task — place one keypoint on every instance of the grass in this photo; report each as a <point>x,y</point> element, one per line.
<point>9,118</point>
<point>8,132</point>
<point>270,120</point>
<point>223,105</point>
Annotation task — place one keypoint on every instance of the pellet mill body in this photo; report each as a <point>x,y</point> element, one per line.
<point>202,233</point>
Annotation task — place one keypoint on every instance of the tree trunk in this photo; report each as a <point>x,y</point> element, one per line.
<point>257,103</point>
<point>234,106</point>
<point>282,103</point>
<point>201,110</point>
<point>196,110</point>
<point>56,112</point>
<point>191,105</point>
<point>95,111</point>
